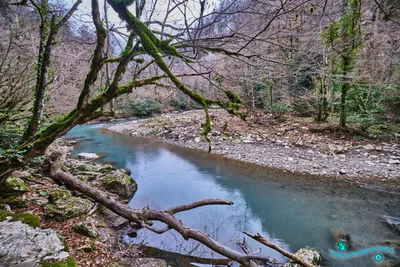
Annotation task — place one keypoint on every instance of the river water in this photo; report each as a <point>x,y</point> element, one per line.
<point>292,211</point>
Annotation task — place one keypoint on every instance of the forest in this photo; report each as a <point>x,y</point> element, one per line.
<point>310,87</point>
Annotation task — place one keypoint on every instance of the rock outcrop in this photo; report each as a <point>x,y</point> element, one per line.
<point>120,183</point>
<point>309,255</point>
<point>67,208</point>
<point>23,244</point>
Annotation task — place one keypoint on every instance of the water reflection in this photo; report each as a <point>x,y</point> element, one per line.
<point>292,211</point>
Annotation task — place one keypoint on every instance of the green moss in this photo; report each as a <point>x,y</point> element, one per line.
<point>69,262</point>
<point>13,186</point>
<point>64,209</point>
<point>14,202</point>
<point>27,218</point>
<point>58,194</point>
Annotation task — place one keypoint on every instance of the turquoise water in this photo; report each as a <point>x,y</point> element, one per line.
<point>292,211</point>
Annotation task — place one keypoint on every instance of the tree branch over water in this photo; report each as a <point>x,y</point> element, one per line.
<point>145,216</point>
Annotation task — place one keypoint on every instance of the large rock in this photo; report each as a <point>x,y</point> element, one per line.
<point>13,186</point>
<point>120,183</point>
<point>58,194</point>
<point>23,245</point>
<point>309,255</point>
<point>67,208</point>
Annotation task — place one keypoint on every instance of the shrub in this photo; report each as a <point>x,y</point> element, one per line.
<point>145,106</point>
<point>179,103</point>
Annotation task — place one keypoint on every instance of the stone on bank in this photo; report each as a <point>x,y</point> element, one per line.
<point>120,183</point>
<point>309,255</point>
<point>23,244</point>
<point>64,209</point>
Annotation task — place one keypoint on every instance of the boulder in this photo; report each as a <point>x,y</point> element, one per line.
<point>120,183</point>
<point>13,186</point>
<point>67,208</point>
<point>87,229</point>
<point>21,244</point>
<point>58,194</point>
<point>309,255</point>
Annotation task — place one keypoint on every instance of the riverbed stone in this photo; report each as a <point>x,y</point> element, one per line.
<point>120,183</point>
<point>309,255</point>
<point>21,244</point>
<point>13,186</point>
<point>64,209</point>
<point>87,229</point>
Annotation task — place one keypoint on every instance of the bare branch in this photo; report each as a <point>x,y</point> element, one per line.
<point>264,241</point>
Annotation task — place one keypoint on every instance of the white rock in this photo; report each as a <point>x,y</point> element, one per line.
<point>22,244</point>
<point>394,161</point>
<point>308,255</point>
<point>197,139</point>
<point>88,156</point>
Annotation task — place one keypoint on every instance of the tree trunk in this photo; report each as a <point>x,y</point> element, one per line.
<point>343,92</point>
<point>41,71</point>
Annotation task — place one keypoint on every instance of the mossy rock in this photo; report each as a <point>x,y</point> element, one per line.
<point>107,168</point>
<point>14,202</point>
<point>58,194</point>
<point>64,209</point>
<point>87,229</point>
<point>25,217</point>
<point>120,183</point>
<point>13,186</point>
<point>68,262</point>
<point>86,168</point>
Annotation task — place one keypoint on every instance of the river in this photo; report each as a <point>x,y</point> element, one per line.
<point>293,211</point>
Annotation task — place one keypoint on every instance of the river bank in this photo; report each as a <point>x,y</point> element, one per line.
<point>43,223</point>
<point>288,144</point>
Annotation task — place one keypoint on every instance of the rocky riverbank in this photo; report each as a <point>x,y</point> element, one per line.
<point>46,224</point>
<point>285,143</point>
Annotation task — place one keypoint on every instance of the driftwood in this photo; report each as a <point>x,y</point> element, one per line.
<point>292,256</point>
<point>145,216</point>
